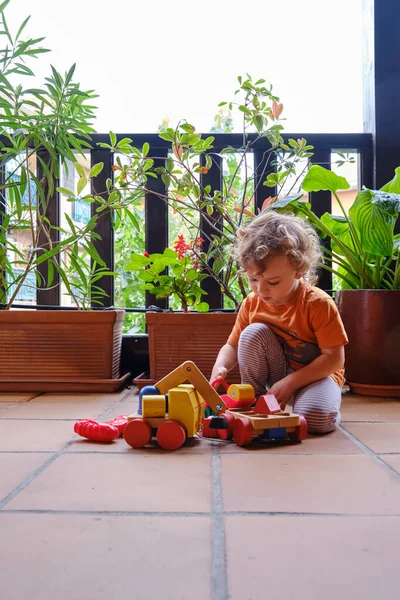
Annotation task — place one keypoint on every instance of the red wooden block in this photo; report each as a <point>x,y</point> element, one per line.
<point>267,405</point>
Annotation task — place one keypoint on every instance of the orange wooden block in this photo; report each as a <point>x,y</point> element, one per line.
<point>267,405</point>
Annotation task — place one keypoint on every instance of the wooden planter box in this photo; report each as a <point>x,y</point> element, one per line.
<point>60,350</point>
<point>177,337</point>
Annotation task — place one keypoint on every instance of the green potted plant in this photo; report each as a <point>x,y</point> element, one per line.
<point>193,159</point>
<point>180,334</point>
<point>365,259</point>
<point>40,128</point>
<point>185,174</point>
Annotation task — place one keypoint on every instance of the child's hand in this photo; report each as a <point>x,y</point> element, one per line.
<point>219,373</point>
<point>283,390</point>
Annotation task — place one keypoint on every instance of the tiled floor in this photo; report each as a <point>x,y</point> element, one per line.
<point>81,520</point>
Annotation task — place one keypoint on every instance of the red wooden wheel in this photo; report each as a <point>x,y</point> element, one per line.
<point>300,432</point>
<point>171,435</point>
<point>227,434</point>
<point>137,433</point>
<point>243,431</point>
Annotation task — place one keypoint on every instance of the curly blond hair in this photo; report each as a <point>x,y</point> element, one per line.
<point>272,234</point>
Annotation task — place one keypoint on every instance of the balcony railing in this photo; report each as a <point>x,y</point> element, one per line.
<point>156,210</point>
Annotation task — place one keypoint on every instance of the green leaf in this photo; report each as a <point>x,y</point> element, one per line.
<point>79,168</point>
<point>202,307</point>
<point>168,252</point>
<point>318,178</point>
<point>96,169</point>
<point>82,182</point>
<point>393,186</point>
<point>191,275</point>
<point>167,136</point>
<point>113,138</point>
<point>66,192</point>
<point>137,262</point>
<point>146,275</point>
<point>4,4</point>
<point>374,224</point>
<point>145,149</point>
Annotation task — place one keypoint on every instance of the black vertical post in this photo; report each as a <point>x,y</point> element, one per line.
<point>50,296</point>
<point>381,78</point>
<point>213,178</point>
<point>104,225</point>
<point>321,203</point>
<point>156,220</point>
<point>262,167</point>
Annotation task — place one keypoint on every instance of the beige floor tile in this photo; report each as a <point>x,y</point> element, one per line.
<point>141,482</point>
<point>393,460</point>
<point>48,436</point>
<point>322,484</point>
<point>16,396</point>
<point>379,437</point>
<point>60,409</point>
<point>334,443</point>
<point>127,407</point>
<point>4,406</point>
<point>15,468</point>
<point>84,397</point>
<point>364,408</point>
<point>310,558</point>
<point>67,557</point>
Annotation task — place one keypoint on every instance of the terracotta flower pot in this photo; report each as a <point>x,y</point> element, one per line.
<point>372,322</point>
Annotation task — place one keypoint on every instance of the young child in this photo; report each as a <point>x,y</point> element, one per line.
<point>288,337</point>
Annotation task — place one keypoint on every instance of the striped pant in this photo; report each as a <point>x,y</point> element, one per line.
<point>262,362</point>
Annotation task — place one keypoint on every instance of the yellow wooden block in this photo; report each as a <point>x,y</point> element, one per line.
<point>188,371</point>
<point>186,407</point>
<point>155,422</point>
<point>289,421</point>
<point>154,406</point>
<point>241,391</point>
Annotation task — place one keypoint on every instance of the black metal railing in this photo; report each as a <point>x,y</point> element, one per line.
<point>156,210</point>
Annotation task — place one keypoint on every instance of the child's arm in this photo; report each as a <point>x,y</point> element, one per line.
<point>330,360</point>
<point>226,360</point>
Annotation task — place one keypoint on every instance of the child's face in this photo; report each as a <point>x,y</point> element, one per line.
<point>276,282</point>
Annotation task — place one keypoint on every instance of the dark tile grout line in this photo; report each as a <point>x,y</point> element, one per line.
<point>48,462</point>
<point>370,453</point>
<point>219,577</point>
<point>20,402</point>
<point>180,514</point>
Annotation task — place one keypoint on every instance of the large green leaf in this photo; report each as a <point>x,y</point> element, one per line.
<point>318,178</point>
<point>339,226</point>
<point>375,225</point>
<point>393,186</point>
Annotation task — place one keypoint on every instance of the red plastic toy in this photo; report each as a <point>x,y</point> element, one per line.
<point>101,432</point>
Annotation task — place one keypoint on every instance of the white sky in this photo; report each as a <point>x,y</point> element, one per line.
<point>180,58</point>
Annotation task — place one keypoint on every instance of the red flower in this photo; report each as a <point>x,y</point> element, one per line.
<point>181,247</point>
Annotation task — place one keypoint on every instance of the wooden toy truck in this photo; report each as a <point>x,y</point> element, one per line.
<point>173,411</point>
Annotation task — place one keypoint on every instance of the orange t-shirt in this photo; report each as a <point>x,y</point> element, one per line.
<point>308,322</point>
